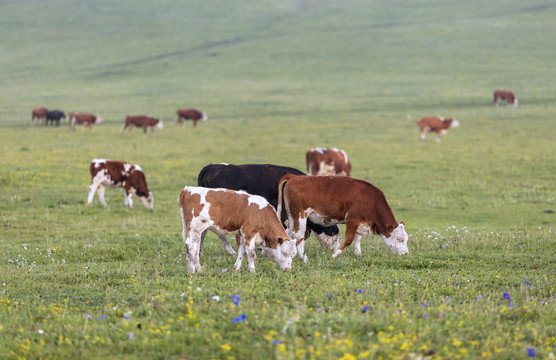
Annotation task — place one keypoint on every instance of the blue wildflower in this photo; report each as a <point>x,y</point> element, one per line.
<point>329,295</point>
<point>427,316</point>
<point>507,296</point>
<point>479,297</point>
<point>127,317</point>
<point>424,304</point>
<point>531,352</point>
<point>365,309</point>
<point>448,300</point>
<point>276,342</point>
<point>89,317</point>
<point>235,300</point>
<point>360,291</point>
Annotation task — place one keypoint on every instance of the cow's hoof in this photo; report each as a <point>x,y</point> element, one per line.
<point>336,253</point>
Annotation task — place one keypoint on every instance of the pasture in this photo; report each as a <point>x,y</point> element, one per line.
<point>277,78</point>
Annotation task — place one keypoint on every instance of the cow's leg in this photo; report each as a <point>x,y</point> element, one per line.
<point>128,202</point>
<point>192,243</point>
<point>423,135</point>
<point>226,244</point>
<point>100,192</point>
<point>299,235</point>
<point>92,189</point>
<point>240,253</point>
<point>203,234</point>
<point>437,137</point>
<point>357,244</point>
<point>351,231</point>
<point>251,254</point>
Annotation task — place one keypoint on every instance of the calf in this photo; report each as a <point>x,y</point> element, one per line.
<point>190,114</point>
<point>119,174</point>
<point>262,180</point>
<point>329,200</point>
<point>144,121</point>
<point>435,124</point>
<point>228,212</point>
<point>86,119</point>
<point>54,116</point>
<point>504,95</point>
<point>322,161</point>
<point>39,114</point>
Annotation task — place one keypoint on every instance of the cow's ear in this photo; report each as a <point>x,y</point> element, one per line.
<point>389,228</point>
<point>280,241</point>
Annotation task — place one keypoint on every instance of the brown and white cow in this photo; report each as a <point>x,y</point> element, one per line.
<point>82,118</point>
<point>504,95</point>
<point>436,124</point>
<point>39,114</point>
<point>330,200</point>
<point>229,212</point>
<point>190,114</point>
<point>323,161</point>
<point>119,174</point>
<point>144,121</point>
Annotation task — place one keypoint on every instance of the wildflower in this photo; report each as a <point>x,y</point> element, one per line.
<point>427,316</point>
<point>360,291</point>
<point>127,317</point>
<point>89,317</point>
<point>365,309</point>
<point>511,304</point>
<point>507,296</point>
<point>440,315</point>
<point>131,335</point>
<point>216,298</point>
<point>226,347</point>
<point>424,304</point>
<point>329,295</point>
<point>531,352</point>
<point>277,342</point>
<point>479,297</point>
<point>235,300</point>
<point>239,319</point>
<point>448,300</point>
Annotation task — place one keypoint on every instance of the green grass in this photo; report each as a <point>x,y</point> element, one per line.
<point>276,78</point>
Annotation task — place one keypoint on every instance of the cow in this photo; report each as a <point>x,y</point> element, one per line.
<point>54,116</point>
<point>262,180</point>
<point>504,95</point>
<point>119,174</point>
<point>229,212</point>
<point>436,124</point>
<point>144,121</point>
<point>323,161</point>
<point>329,200</point>
<point>39,114</point>
<point>190,114</point>
<point>81,118</point>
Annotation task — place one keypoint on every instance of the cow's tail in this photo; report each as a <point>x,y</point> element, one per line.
<point>202,175</point>
<point>281,189</point>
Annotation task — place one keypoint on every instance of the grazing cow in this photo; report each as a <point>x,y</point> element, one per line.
<point>119,174</point>
<point>439,125</point>
<point>190,114</point>
<point>54,116</point>
<point>81,118</point>
<point>262,180</point>
<point>329,200</point>
<point>144,121</point>
<point>39,114</point>
<point>504,95</point>
<point>322,161</point>
<point>228,212</point>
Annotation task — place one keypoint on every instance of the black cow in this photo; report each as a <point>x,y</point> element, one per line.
<point>54,116</point>
<point>262,180</point>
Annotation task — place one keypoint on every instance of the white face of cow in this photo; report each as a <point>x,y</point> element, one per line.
<point>330,242</point>
<point>283,254</point>
<point>160,125</point>
<point>147,202</point>
<point>397,242</point>
<point>455,123</point>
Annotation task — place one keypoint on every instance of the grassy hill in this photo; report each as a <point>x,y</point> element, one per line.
<point>277,78</point>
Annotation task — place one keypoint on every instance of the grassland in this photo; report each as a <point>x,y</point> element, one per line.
<point>276,78</point>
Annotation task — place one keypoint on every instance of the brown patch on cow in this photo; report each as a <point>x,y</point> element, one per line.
<point>132,179</point>
<point>435,124</point>
<point>190,114</point>
<point>504,95</point>
<point>39,114</point>
<point>321,161</point>
<point>144,121</point>
<point>82,118</point>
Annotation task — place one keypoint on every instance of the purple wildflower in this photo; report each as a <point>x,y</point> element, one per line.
<point>441,315</point>
<point>507,296</point>
<point>531,352</point>
<point>276,342</point>
<point>329,295</point>
<point>127,317</point>
<point>479,297</point>
<point>427,316</point>
<point>360,291</point>
<point>424,304</point>
<point>448,300</point>
<point>365,309</point>
<point>131,335</point>
<point>236,299</point>
<point>89,317</point>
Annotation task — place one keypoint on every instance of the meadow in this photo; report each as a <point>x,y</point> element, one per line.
<point>277,78</point>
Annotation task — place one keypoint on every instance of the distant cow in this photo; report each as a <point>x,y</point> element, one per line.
<point>86,119</point>
<point>119,174</point>
<point>54,116</point>
<point>190,114</point>
<point>39,114</point>
<point>228,212</point>
<point>262,180</point>
<point>504,95</point>
<point>330,200</point>
<point>323,161</point>
<point>436,124</point>
<point>144,121</point>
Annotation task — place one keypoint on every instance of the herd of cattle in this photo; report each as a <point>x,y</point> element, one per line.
<point>88,120</point>
<point>274,208</point>
<point>436,124</point>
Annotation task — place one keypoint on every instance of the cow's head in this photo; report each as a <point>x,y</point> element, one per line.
<point>329,238</point>
<point>283,254</point>
<point>98,120</point>
<point>147,202</point>
<point>160,125</point>
<point>515,102</point>
<point>205,116</point>
<point>397,241</point>
<point>454,123</point>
